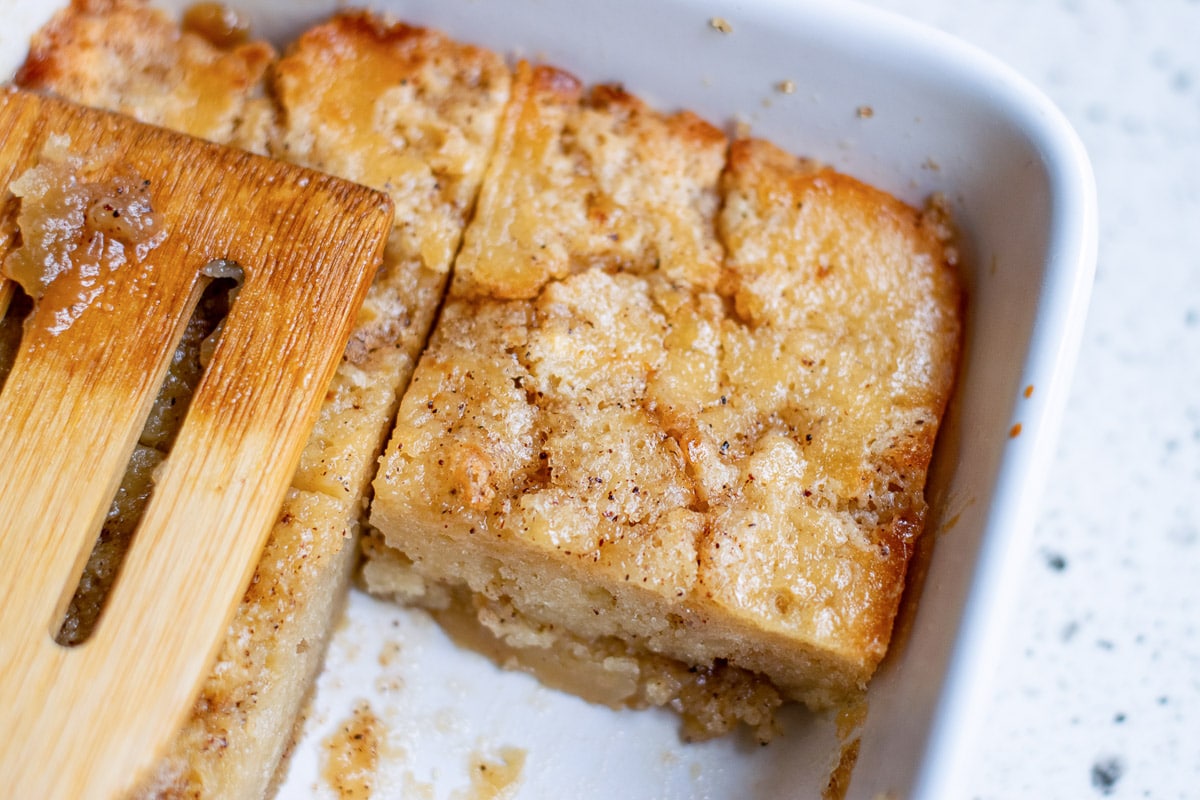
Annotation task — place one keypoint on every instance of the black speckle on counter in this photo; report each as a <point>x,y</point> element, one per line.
<point>1105,774</point>
<point>1118,718</point>
<point>1056,561</point>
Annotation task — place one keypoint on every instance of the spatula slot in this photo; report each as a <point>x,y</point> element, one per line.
<point>15,306</point>
<point>117,533</point>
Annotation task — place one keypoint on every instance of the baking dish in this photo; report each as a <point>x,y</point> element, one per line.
<point>895,104</point>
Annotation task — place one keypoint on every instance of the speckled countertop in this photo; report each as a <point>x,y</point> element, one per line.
<point>1100,690</point>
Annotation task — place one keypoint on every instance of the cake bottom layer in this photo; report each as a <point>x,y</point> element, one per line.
<point>712,699</point>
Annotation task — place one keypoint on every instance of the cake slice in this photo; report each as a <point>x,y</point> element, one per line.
<point>420,82</point>
<point>410,112</point>
<point>125,56</point>
<point>668,441</point>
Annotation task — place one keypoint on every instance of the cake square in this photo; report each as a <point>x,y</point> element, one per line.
<point>676,412</point>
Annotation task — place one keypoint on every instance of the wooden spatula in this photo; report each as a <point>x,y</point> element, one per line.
<point>87,721</point>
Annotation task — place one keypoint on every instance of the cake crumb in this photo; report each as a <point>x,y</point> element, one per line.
<point>495,778</point>
<point>389,653</point>
<point>720,24</point>
<point>786,87</point>
<point>352,754</point>
<point>864,112</point>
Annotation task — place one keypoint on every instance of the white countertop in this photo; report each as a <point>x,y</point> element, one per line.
<point>1099,694</point>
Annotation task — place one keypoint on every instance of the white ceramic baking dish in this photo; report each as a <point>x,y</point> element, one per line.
<point>898,105</point>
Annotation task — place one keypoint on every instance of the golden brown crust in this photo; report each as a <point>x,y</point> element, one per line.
<point>584,179</point>
<point>128,57</point>
<point>399,108</point>
<point>684,404</point>
<point>541,98</point>
<point>869,301</point>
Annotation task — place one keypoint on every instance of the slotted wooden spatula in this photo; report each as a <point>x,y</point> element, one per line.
<point>87,721</point>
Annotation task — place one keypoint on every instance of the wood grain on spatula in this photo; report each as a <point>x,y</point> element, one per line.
<point>87,721</point>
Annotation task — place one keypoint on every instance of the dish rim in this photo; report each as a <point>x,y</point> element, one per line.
<point>1068,272</point>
